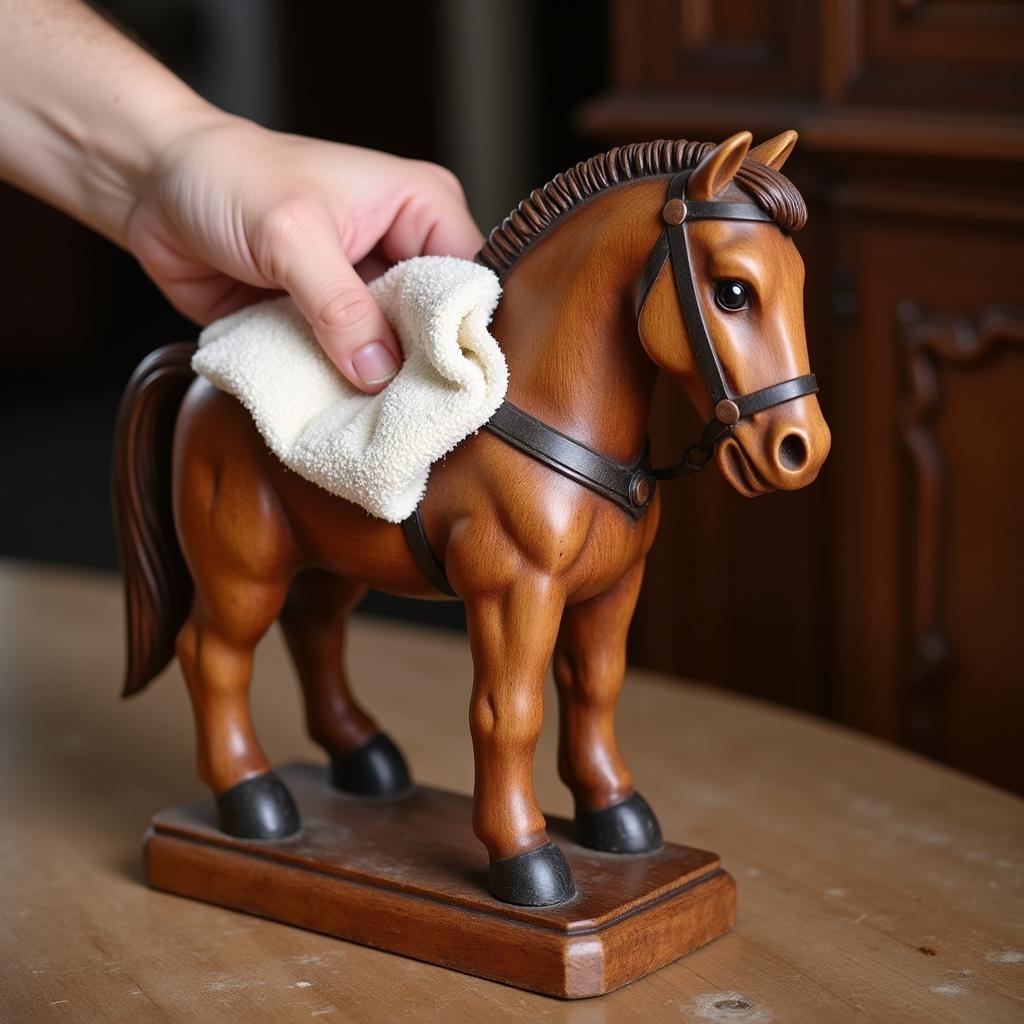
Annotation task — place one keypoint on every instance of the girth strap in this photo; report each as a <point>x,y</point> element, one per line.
<point>422,553</point>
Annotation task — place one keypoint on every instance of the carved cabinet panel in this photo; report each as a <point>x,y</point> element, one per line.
<point>930,563</point>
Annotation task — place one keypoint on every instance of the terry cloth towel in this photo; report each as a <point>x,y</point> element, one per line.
<point>374,450</point>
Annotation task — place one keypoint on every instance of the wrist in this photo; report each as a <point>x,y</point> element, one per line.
<point>120,157</point>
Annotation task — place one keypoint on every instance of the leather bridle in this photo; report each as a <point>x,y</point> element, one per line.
<point>631,487</point>
<point>674,245</point>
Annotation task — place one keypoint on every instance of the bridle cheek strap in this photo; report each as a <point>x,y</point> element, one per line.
<point>673,246</point>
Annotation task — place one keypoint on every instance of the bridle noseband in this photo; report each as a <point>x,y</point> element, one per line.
<point>674,245</point>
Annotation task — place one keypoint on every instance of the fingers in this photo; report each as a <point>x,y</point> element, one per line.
<point>433,221</point>
<point>200,292</point>
<point>309,261</point>
<point>457,235</point>
<point>213,298</point>
<point>453,233</point>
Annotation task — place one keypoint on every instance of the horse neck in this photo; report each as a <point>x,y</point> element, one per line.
<point>566,324</point>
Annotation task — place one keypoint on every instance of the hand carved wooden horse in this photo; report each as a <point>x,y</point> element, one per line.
<point>542,532</point>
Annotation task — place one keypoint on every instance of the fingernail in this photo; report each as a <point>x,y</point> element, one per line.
<point>374,363</point>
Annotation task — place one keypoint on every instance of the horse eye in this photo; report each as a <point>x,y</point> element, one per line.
<point>731,295</point>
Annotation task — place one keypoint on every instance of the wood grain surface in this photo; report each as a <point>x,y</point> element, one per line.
<point>873,885</point>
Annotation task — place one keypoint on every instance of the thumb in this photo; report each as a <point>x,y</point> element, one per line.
<point>334,299</point>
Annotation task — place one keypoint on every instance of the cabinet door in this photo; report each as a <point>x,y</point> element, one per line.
<point>930,454</point>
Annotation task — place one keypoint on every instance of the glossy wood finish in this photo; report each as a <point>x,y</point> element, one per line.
<point>545,567</point>
<point>406,876</point>
<point>874,884</point>
<point>911,122</point>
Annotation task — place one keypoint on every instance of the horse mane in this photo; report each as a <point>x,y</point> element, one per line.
<point>772,191</point>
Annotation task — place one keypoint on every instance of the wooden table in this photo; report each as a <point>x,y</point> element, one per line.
<point>873,885</point>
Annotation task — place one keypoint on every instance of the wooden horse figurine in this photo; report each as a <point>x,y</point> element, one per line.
<point>540,523</point>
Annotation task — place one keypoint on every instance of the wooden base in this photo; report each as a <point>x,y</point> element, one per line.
<point>408,876</point>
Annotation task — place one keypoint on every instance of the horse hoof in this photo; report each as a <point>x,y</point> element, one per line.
<point>258,808</point>
<point>626,827</point>
<point>537,878</point>
<point>377,768</point>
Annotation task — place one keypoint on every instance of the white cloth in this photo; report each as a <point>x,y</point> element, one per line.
<point>374,450</point>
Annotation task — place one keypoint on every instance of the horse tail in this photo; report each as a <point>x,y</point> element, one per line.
<point>158,587</point>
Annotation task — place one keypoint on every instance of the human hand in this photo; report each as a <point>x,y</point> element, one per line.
<point>231,212</point>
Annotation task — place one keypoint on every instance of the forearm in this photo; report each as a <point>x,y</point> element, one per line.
<point>84,112</point>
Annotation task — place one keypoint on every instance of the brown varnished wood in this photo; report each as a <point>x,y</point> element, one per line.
<point>406,876</point>
<point>526,549</point>
<point>314,621</point>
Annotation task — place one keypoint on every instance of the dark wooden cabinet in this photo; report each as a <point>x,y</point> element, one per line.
<point>890,595</point>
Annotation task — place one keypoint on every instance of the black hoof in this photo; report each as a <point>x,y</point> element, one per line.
<point>258,808</point>
<point>377,768</point>
<point>626,827</point>
<point>538,878</point>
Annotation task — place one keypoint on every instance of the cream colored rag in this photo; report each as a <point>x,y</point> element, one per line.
<point>374,450</point>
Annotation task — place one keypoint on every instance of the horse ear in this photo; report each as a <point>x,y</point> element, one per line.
<point>718,167</point>
<point>775,152</point>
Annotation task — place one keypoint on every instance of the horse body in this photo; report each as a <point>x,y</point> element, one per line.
<point>545,567</point>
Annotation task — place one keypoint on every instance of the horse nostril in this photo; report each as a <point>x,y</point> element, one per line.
<point>792,452</point>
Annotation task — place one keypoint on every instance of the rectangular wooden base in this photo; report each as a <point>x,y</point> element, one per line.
<point>408,876</point>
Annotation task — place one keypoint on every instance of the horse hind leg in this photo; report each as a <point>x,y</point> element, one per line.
<point>363,759</point>
<point>215,649</point>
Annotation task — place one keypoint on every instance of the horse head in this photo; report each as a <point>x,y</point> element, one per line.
<point>721,310</point>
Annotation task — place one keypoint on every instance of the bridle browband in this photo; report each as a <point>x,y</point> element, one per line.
<point>631,487</point>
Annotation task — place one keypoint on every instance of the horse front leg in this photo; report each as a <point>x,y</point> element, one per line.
<point>363,759</point>
<point>512,633</point>
<point>589,665</point>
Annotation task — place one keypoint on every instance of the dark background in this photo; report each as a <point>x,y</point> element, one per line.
<point>890,594</point>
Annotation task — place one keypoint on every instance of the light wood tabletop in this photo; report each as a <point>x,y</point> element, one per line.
<point>873,885</point>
